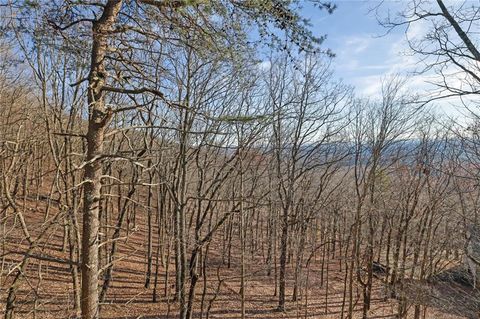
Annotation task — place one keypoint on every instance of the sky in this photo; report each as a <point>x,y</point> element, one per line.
<point>366,53</point>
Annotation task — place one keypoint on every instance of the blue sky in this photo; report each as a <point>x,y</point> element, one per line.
<point>365,52</point>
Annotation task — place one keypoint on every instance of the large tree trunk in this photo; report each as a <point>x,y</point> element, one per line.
<point>99,118</point>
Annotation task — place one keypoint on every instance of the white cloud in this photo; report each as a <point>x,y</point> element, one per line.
<point>369,85</point>
<point>358,44</point>
<point>417,30</point>
<point>264,65</point>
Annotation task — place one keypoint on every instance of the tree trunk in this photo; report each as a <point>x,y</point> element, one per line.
<point>283,261</point>
<point>99,118</point>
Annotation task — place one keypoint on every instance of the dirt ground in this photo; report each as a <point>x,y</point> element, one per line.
<point>46,291</point>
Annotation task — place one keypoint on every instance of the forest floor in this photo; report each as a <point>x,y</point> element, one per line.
<point>46,289</point>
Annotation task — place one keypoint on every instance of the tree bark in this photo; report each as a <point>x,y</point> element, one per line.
<point>283,261</point>
<point>99,118</point>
